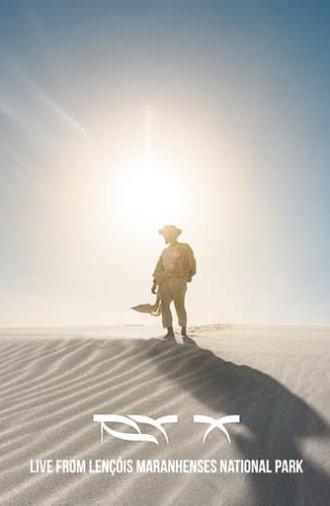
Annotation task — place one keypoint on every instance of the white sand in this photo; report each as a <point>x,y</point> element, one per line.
<point>52,381</point>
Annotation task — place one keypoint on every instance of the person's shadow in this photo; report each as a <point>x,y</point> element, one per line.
<point>277,419</point>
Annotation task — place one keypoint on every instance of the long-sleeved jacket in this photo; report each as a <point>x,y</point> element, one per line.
<point>185,264</point>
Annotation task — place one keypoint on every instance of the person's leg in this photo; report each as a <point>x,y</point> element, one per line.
<point>166,299</point>
<point>179,293</point>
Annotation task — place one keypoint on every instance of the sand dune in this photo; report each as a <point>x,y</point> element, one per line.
<point>52,382</point>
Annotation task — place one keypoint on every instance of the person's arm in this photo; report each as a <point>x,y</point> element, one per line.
<point>159,268</point>
<point>190,263</point>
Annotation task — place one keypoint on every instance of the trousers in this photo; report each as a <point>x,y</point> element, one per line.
<point>174,290</point>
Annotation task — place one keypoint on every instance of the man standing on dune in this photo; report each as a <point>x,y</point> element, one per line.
<point>175,268</point>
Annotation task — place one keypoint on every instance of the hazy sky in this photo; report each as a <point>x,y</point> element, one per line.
<point>118,117</point>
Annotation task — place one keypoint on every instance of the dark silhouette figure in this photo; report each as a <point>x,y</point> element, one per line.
<point>175,268</point>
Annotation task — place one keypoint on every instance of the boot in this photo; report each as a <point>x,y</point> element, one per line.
<point>184,331</point>
<point>170,334</point>
<point>185,338</point>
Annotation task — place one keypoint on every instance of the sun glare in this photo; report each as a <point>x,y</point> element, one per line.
<point>147,187</point>
<point>148,194</point>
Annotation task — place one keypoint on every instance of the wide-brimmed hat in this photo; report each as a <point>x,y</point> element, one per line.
<point>170,229</point>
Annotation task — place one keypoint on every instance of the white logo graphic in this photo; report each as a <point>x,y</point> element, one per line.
<point>131,421</point>
<point>214,423</point>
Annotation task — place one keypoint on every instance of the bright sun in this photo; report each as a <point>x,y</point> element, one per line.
<point>147,190</point>
<point>148,194</point>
